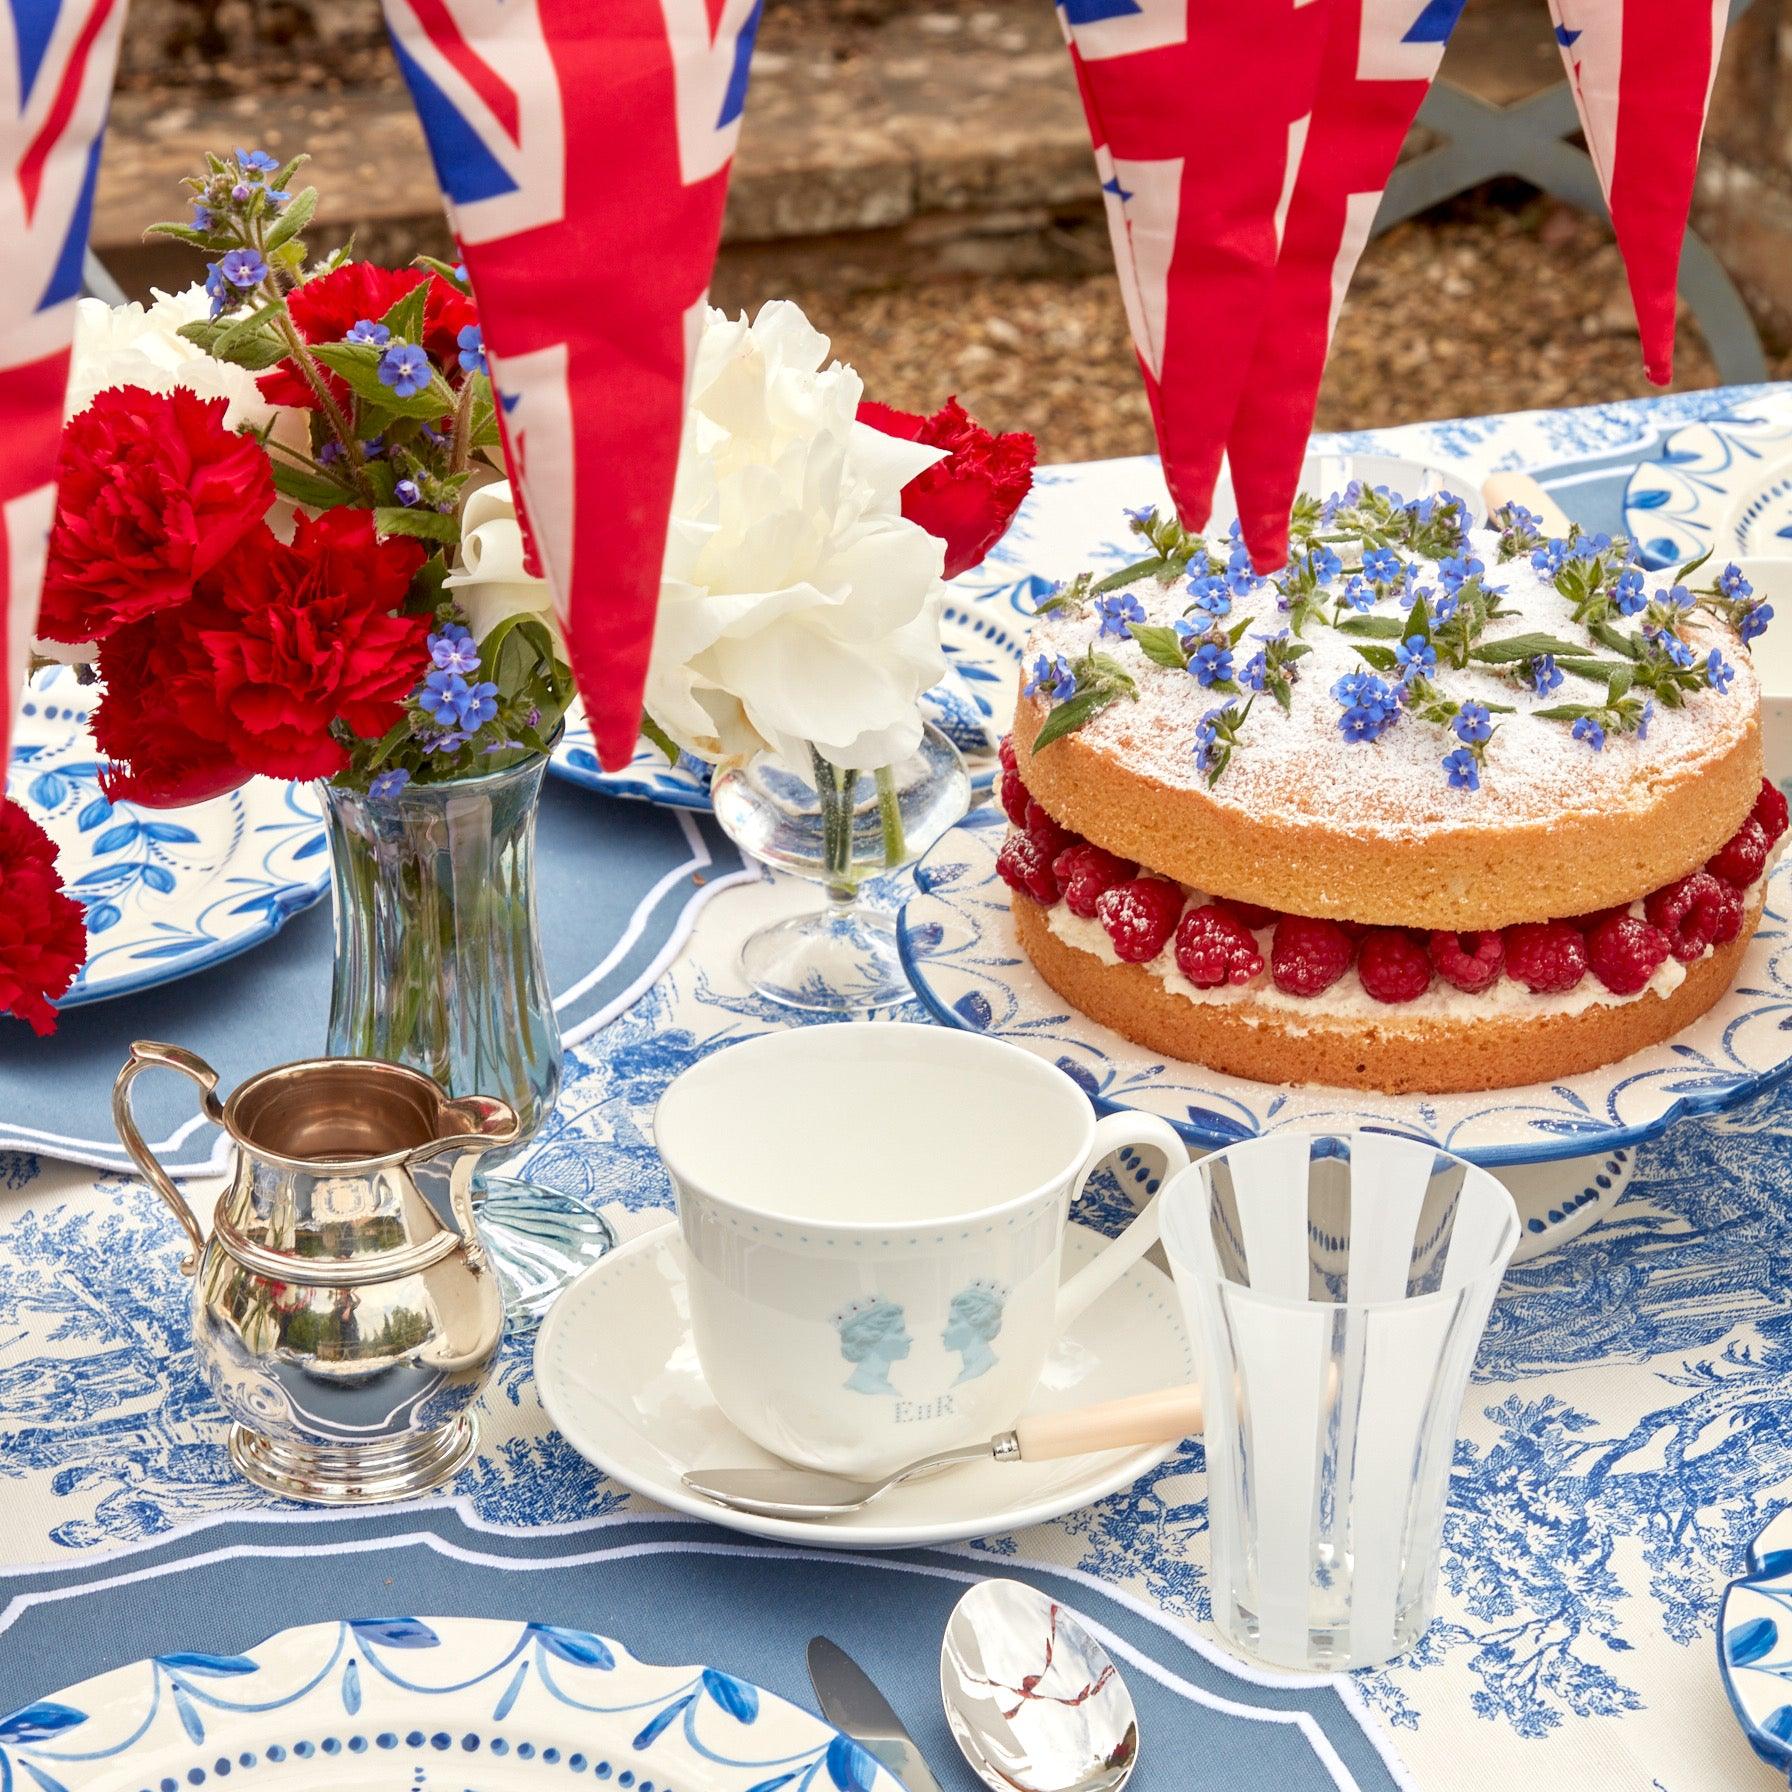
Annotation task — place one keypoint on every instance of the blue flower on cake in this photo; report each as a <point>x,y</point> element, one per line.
<point>1588,730</point>
<point>1115,611</point>
<point>1051,674</point>
<point>1718,671</point>
<point>1416,658</point>
<point>1628,593</point>
<point>1381,566</point>
<point>1211,664</point>
<point>1357,593</point>
<point>1754,622</point>
<point>1731,582</point>
<point>1456,569</point>
<point>1463,768</point>
<point>1473,723</point>
<point>1210,594</point>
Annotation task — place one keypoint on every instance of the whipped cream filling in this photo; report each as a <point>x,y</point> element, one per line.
<point>1348,1003</point>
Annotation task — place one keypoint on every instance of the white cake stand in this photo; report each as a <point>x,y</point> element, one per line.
<point>1566,1150</point>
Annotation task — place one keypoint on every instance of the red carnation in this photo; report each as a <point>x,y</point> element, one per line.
<point>43,932</point>
<point>327,308</point>
<point>969,499</point>
<point>152,492</point>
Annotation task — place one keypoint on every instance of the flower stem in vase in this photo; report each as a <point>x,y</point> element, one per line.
<point>889,809</point>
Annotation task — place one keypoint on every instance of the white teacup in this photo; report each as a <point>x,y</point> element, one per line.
<point>873,1217</point>
<point>1771,656</point>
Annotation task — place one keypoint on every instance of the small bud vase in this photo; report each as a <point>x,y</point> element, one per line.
<point>839,828</point>
<point>439,967</point>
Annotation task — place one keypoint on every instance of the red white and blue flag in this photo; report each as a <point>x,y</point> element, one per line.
<point>584,152</point>
<point>1642,75</point>
<point>56,63</point>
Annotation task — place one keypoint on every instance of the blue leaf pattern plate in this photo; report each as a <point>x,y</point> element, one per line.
<point>1754,1644</point>
<point>1722,486</point>
<point>420,1701</point>
<point>983,631</point>
<point>957,941</point>
<point>167,891</point>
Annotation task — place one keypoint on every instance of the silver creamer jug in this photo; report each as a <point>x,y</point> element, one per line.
<point>344,1312</point>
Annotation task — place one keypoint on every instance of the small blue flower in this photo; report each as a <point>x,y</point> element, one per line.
<point>329,453</point>
<point>388,784</point>
<point>1186,631</point>
<point>1517,516</point>
<point>277,197</point>
<point>1718,671</point>
<point>1643,721</point>
<point>478,706</point>
<point>373,447</point>
<point>452,648</point>
<point>241,191</point>
<point>472,348</point>
<point>256,161</point>
<point>1359,687</point>
<point>1627,594</point>
<point>1211,664</point>
<point>1546,675</point>
<point>1463,768</point>
<point>1678,596</point>
<point>1550,558</point>
<point>1210,594</point>
<point>202,216</point>
<point>1241,575</point>
<point>1052,675</point>
<point>405,369</point>
<point>407,492</point>
<point>1457,569</point>
<point>1324,563</point>
<point>1143,517</point>
<point>1731,582</point>
<point>375,335</point>
<point>1207,732</point>
<point>441,695</point>
<point>1672,646</point>
<point>1589,730</point>
<point>217,287</point>
<point>1754,621</point>
<point>460,272</point>
<point>1116,610</point>
<point>1381,566</point>
<point>1364,722</point>
<point>1256,672</point>
<point>450,742</point>
<point>244,268</point>
<point>1443,609</point>
<point>1358,593</point>
<point>1473,723</point>
<point>1416,658</point>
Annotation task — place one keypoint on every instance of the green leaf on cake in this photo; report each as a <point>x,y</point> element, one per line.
<point>1381,628</point>
<point>1161,645</point>
<point>1381,658</point>
<point>1524,647</point>
<point>1691,566</point>
<point>1068,717</point>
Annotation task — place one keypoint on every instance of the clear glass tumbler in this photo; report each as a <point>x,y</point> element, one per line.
<point>1336,1287</point>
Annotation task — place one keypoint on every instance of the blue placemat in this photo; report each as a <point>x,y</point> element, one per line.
<point>618,887</point>
<point>673,1593</point>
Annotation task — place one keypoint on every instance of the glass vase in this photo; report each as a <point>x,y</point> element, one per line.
<point>839,828</point>
<point>439,967</point>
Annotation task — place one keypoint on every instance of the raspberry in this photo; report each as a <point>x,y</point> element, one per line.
<point>1053,838</point>
<point>1014,797</point>
<point>1393,968</point>
<point>1687,912</point>
<point>1728,921</point>
<point>1214,946</point>
<point>1252,914</point>
<point>1140,915</point>
<point>1587,922</point>
<point>1547,957</point>
<point>1739,861</point>
<point>1005,752</point>
<point>1308,955</point>
<point>1024,865</point>
<point>1084,871</point>
<point>1770,811</point>
<point>1470,961</point>
<point>1624,952</point>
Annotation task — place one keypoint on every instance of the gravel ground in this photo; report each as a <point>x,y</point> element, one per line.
<point>1499,303</point>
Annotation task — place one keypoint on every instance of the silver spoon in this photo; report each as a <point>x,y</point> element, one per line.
<point>1165,1415</point>
<point>1031,1697</point>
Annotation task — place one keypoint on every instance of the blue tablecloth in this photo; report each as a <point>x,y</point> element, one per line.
<point>1627,1432</point>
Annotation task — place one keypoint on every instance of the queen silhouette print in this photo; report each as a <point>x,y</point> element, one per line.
<point>873,1337</point>
<point>973,1323</point>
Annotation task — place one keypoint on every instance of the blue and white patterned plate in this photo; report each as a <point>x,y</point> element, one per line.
<point>426,1703</point>
<point>982,631</point>
<point>1723,485</point>
<point>167,891</point>
<point>1754,1644</point>
<point>957,941</point>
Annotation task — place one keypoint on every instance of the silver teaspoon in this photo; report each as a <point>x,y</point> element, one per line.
<point>1031,1698</point>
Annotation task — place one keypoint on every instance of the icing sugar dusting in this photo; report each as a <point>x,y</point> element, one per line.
<point>1295,764</point>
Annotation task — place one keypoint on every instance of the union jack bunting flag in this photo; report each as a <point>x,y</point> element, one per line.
<point>584,151</point>
<point>1642,74</point>
<point>56,64</point>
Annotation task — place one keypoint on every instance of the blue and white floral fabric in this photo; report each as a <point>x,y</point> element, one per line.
<point>1628,1432</point>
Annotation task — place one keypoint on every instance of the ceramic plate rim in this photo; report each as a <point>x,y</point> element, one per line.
<point>462,1632</point>
<point>1545,1150</point>
<point>1769,1748</point>
<point>1120,1474</point>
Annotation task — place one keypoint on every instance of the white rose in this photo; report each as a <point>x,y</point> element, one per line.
<point>798,605</point>
<point>490,582</point>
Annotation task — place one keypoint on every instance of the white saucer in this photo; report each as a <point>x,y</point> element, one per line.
<point>617,1372</point>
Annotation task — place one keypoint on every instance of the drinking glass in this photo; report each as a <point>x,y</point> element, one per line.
<point>1336,1287</point>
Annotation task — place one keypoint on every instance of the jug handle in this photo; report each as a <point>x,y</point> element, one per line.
<point>147,1054</point>
<point>491,1124</point>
